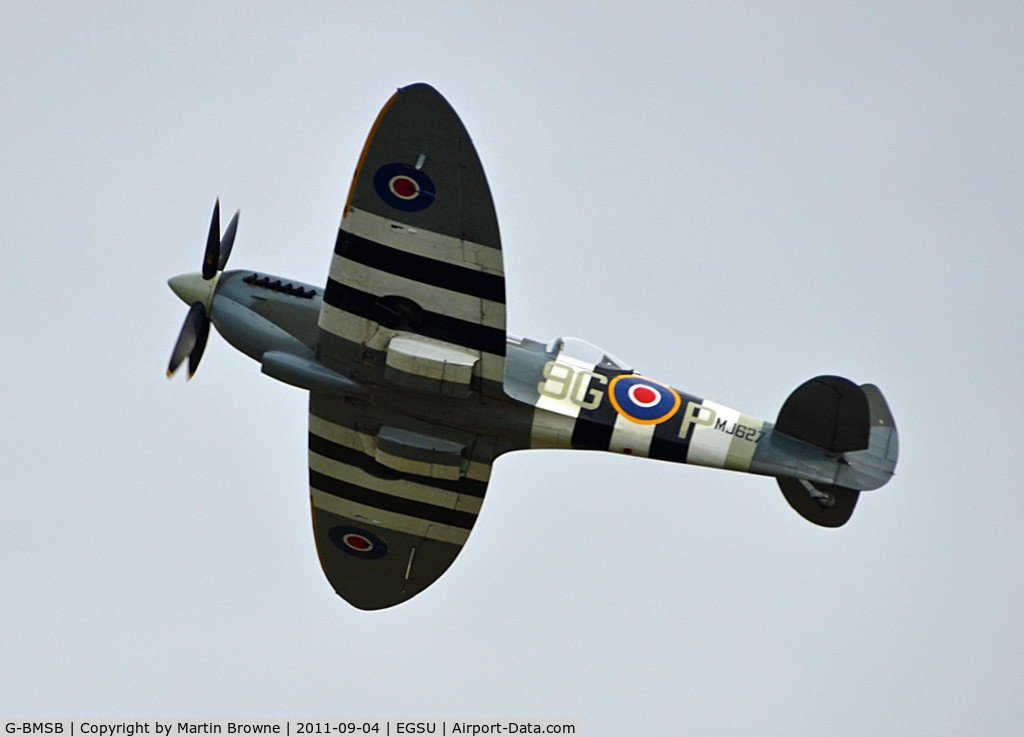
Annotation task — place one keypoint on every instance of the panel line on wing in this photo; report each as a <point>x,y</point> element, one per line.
<point>361,333</point>
<point>387,519</point>
<point>367,465</point>
<point>453,304</point>
<point>341,435</point>
<point>422,268</point>
<point>435,325</point>
<point>404,488</point>
<point>436,246</point>
<point>344,444</point>
<point>389,502</point>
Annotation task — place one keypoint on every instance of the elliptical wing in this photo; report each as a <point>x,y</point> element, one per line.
<point>418,254</point>
<point>391,508</point>
<point>415,300</point>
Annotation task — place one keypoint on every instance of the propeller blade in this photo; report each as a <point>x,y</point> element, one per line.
<point>227,241</point>
<point>196,323</point>
<point>197,352</point>
<point>212,257</point>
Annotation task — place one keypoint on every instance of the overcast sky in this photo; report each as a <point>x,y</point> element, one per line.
<point>731,199</point>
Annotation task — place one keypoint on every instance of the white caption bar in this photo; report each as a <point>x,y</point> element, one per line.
<point>286,728</point>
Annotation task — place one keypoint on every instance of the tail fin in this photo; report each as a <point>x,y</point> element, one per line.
<point>852,422</point>
<point>828,411</point>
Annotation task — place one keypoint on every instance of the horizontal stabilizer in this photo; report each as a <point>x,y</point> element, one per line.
<point>828,411</point>
<point>824,505</point>
<point>872,468</point>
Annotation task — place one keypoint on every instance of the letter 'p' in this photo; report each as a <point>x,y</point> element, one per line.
<point>696,414</point>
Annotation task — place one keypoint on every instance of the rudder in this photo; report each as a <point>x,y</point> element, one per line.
<point>827,411</point>
<point>852,424</point>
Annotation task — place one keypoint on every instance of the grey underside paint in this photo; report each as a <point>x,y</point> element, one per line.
<point>524,366</point>
<point>256,320</point>
<point>781,455</point>
<point>306,373</point>
<point>872,468</point>
<point>419,447</point>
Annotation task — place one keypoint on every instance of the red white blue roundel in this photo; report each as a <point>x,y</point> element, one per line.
<point>404,187</point>
<point>360,543</point>
<point>641,400</point>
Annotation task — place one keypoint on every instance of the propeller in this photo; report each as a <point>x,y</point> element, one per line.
<point>191,340</point>
<point>217,248</point>
<point>197,290</point>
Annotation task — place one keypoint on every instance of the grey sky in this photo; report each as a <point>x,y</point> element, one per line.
<point>730,198</point>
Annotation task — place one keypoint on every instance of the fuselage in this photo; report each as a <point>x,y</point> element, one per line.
<point>565,393</point>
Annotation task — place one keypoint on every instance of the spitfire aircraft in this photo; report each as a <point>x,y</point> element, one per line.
<point>415,387</point>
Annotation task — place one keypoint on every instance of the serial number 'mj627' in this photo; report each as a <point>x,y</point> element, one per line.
<point>698,414</point>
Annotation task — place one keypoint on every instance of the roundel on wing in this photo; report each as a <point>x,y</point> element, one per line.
<point>404,187</point>
<point>641,400</point>
<point>360,543</point>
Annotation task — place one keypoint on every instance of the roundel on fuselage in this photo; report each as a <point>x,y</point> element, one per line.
<point>641,400</point>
